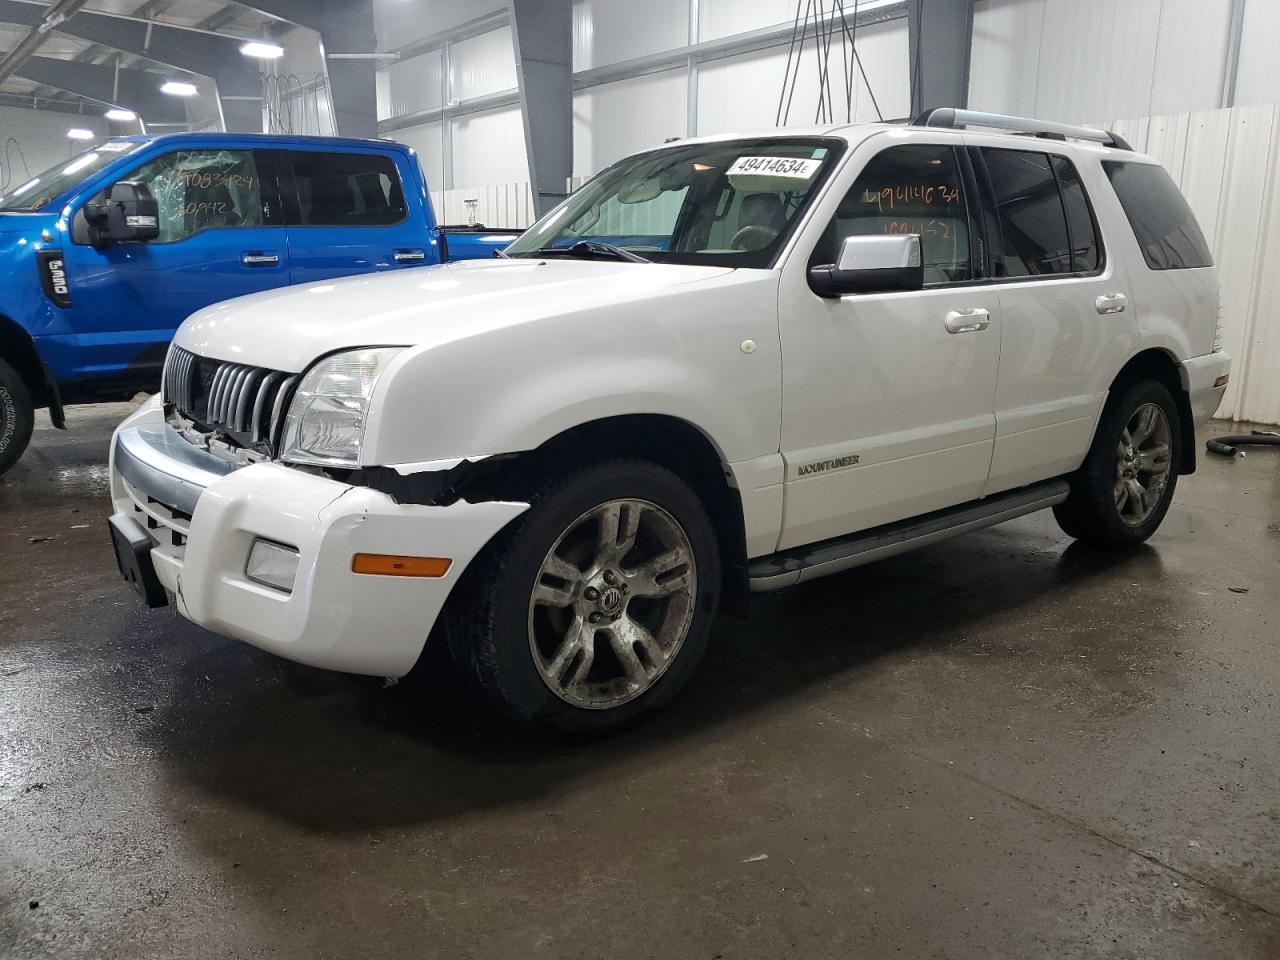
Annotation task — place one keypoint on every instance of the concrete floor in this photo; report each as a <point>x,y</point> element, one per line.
<point>1004,746</point>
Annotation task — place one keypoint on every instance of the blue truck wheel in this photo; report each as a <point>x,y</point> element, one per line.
<point>16,416</point>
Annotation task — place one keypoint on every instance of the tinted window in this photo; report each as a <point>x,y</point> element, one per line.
<point>347,189</point>
<point>1083,231</point>
<point>1033,223</point>
<point>1165,227</point>
<point>201,190</point>
<point>909,189</point>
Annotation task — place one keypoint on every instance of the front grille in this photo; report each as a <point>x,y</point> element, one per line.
<point>246,404</point>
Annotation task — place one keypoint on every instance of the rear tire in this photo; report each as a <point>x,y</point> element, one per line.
<point>1122,492</point>
<point>592,609</point>
<point>17,416</point>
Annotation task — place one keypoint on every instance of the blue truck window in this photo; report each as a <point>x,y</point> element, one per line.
<point>347,189</point>
<point>203,189</point>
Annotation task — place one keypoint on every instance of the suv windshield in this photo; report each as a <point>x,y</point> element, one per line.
<point>36,193</point>
<point>732,203</point>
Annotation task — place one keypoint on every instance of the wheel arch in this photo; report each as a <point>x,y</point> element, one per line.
<point>1161,365</point>
<point>19,351</point>
<point>676,444</point>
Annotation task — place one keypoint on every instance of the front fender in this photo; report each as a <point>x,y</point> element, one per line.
<point>706,353</point>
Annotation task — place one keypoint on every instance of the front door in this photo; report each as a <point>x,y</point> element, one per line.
<point>888,398</point>
<point>216,241</point>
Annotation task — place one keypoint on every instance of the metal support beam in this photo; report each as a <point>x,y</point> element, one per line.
<point>182,51</point>
<point>345,27</point>
<point>542,33</point>
<point>49,19</point>
<point>940,34</point>
<point>112,86</point>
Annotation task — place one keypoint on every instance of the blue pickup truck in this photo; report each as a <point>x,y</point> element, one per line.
<point>103,256</point>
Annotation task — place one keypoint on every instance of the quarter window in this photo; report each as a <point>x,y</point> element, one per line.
<point>916,188</point>
<point>201,190</point>
<point>1086,254</point>
<point>1165,227</point>
<point>347,189</point>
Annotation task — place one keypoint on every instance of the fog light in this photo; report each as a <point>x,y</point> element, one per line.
<point>272,565</point>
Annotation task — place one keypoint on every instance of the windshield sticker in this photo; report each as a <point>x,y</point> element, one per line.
<point>115,146</point>
<point>796,168</point>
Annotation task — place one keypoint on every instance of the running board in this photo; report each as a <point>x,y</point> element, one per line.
<point>843,553</point>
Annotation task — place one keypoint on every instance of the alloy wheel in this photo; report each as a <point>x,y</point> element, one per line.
<point>612,604</point>
<point>1143,464</point>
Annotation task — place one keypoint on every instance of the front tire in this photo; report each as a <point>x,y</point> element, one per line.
<point>17,416</point>
<point>592,609</point>
<point>1122,492</point>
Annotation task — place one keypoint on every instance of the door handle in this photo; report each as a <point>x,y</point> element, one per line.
<point>409,256</point>
<point>967,321</point>
<point>259,259</point>
<point>1111,303</point>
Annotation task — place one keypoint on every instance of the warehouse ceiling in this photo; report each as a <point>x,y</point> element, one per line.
<point>202,17</point>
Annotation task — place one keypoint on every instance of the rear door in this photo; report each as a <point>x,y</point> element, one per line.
<point>1067,317</point>
<point>349,213</point>
<point>221,236</point>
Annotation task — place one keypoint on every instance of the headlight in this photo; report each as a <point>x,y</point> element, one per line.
<point>325,426</point>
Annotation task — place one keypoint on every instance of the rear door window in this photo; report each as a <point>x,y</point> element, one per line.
<point>1082,229</point>
<point>1162,221</point>
<point>347,189</point>
<point>1033,222</point>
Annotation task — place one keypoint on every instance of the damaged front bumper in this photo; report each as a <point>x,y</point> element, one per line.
<point>205,517</point>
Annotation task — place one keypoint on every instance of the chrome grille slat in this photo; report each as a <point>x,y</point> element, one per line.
<point>234,398</point>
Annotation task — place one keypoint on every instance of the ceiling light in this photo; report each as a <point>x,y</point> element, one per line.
<point>79,133</point>
<point>262,50</point>
<point>178,88</point>
<point>121,115</point>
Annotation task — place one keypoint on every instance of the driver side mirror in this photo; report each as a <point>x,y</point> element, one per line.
<point>128,214</point>
<point>871,264</point>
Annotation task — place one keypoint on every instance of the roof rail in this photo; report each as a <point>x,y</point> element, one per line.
<point>952,117</point>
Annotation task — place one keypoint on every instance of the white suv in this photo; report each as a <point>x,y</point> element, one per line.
<point>726,365</point>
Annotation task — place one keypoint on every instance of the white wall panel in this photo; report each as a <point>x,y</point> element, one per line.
<point>614,120</point>
<point>1006,54</point>
<point>742,93</point>
<point>415,84</point>
<point>489,148</point>
<point>1259,77</point>
<point>42,137</point>
<point>1074,59</point>
<point>483,64</point>
<point>399,22</point>
<point>427,140</point>
<point>610,31</point>
<point>723,18</point>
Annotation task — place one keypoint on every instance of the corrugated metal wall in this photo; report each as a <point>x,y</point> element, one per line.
<point>1226,163</point>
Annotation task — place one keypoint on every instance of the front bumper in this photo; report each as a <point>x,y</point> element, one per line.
<point>1205,379</point>
<point>205,515</point>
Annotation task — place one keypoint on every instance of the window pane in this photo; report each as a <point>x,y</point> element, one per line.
<point>731,203</point>
<point>203,189</point>
<point>1085,245</point>
<point>1165,227</point>
<point>909,189</point>
<point>1032,222</point>
<point>347,189</point>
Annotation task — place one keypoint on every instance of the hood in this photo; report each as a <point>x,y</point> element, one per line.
<point>287,329</point>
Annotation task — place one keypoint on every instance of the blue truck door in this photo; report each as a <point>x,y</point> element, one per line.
<point>221,236</point>
<point>350,212</point>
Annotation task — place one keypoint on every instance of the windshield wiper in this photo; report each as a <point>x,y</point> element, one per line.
<point>588,248</point>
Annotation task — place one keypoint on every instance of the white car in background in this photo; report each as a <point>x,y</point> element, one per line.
<point>726,365</point>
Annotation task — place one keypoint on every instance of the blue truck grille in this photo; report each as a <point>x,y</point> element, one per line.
<point>247,403</point>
